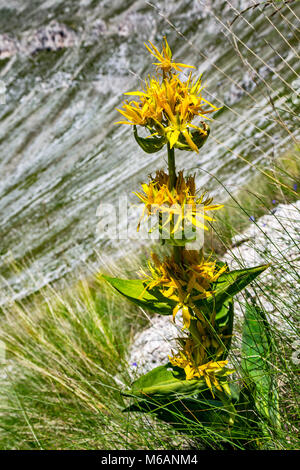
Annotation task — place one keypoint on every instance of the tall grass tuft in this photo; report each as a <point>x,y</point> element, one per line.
<point>65,365</point>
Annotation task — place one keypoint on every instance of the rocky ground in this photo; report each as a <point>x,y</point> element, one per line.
<point>273,238</point>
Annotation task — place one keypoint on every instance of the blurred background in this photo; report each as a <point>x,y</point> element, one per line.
<point>64,66</point>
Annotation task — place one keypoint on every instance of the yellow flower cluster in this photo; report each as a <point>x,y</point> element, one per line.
<point>167,107</point>
<point>184,282</point>
<point>181,201</point>
<point>187,359</point>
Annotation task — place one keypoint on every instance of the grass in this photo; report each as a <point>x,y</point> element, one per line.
<point>66,357</point>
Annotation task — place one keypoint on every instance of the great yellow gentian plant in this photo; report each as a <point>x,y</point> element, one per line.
<point>185,281</point>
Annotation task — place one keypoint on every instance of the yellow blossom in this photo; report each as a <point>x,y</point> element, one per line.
<point>167,107</point>
<point>184,282</point>
<point>187,360</point>
<point>136,115</point>
<point>165,58</point>
<point>182,201</point>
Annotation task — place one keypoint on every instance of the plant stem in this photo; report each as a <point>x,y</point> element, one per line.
<point>172,174</point>
<point>171,165</point>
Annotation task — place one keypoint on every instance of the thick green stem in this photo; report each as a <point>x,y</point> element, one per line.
<point>172,181</point>
<point>171,165</point>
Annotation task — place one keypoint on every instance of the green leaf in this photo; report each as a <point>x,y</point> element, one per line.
<point>164,381</point>
<point>188,413</point>
<point>225,288</point>
<point>224,325</point>
<point>149,144</point>
<point>135,291</point>
<point>257,356</point>
<point>231,283</point>
<point>228,285</point>
<point>198,138</point>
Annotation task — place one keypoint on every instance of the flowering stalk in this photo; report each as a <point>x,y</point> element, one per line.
<point>172,181</point>
<point>201,289</point>
<point>166,108</point>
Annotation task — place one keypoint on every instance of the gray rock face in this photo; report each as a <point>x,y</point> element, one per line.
<point>52,37</point>
<point>271,239</point>
<point>8,46</point>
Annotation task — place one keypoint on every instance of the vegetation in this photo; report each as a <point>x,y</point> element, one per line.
<point>65,379</point>
<point>66,362</point>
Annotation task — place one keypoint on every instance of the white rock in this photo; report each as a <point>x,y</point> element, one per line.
<point>152,346</point>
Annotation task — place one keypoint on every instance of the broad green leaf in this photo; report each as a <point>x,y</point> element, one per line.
<point>257,356</point>
<point>198,412</point>
<point>135,291</point>
<point>225,288</point>
<point>164,381</point>
<point>231,283</point>
<point>189,413</point>
<point>198,138</point>
<point>224,325</point>
<point>149,144</point>
<point>228,285</point>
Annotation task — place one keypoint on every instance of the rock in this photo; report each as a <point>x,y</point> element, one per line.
<point>271,239</point>
<point>152,346</point>
<point>52,37</point>
<point>8,46</point>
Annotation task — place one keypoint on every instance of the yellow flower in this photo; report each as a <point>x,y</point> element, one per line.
<point>184,283</point>
<point>136,114</point>
<point>167,107</point>
<point>194,104</point>
<point>165,58</point>
<point>182,201</point>
<point>177,128</point>
<point>186,359</point>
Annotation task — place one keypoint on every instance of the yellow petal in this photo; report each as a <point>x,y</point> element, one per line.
<point>186,316</point>
<point>175,311</point>
<point>190,141</point>
<point>174,137</point>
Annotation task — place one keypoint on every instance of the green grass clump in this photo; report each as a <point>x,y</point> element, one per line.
<point>65,366</point>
